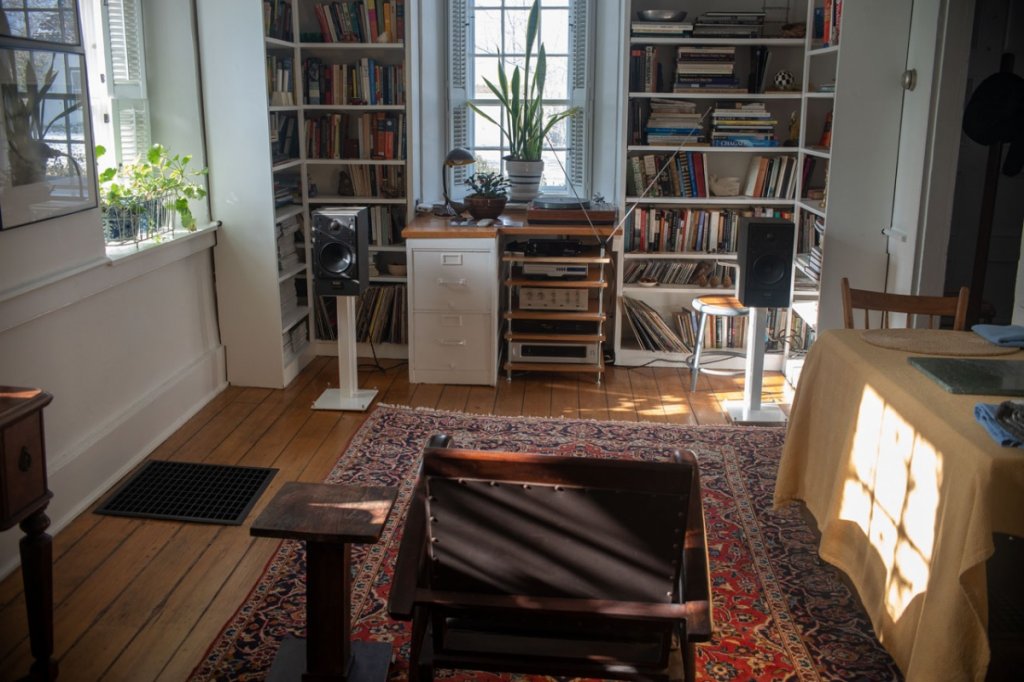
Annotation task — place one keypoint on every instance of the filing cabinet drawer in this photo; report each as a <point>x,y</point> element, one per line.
<point>454,341</point>
<point>24,469</point>
<point>453,280</point>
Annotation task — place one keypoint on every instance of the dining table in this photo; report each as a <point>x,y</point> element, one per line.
<point>906,488</point>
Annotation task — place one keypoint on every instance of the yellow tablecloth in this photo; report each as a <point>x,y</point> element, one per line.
<point>907,489</point>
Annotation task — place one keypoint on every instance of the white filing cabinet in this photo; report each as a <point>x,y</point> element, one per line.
<point>453,310</point>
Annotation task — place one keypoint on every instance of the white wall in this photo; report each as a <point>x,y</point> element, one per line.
<point>129,347</point>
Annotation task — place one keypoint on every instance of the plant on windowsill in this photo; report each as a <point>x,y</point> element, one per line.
<point>526,128</point>
<point>488,194</point>
<point>144,199</point>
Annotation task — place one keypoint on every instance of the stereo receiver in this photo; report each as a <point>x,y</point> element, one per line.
<point>536,351</point>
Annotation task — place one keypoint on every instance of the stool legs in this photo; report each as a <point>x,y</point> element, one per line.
<point>695,367</point>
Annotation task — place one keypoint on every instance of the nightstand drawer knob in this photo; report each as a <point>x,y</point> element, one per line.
<point>24,459</point>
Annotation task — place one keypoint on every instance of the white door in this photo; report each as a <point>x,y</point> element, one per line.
<point>929,139</point>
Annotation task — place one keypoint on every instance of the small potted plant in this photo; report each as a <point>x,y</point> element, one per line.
<point>488,194</point>
<point>141,199</point>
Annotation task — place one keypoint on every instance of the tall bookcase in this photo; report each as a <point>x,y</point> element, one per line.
<point>679,241</point>
<point>307,106</point>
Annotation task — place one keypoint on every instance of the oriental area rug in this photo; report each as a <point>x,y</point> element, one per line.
<point>780,612</point>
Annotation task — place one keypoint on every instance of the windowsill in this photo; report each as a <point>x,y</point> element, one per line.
<point>173,241</point>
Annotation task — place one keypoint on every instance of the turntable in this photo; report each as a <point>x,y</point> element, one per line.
<point>554,210</point>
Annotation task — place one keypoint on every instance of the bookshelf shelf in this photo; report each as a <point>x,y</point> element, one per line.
<point>288,273</point>
<point>738,42</point>
<point>811,206</point>
<point>676,255</point>
<point>711,201</point>
<point>336,199</point>
<point>753,96</point>
<point>822,51</point>
<point>666,149</point>
<point>355,162</point>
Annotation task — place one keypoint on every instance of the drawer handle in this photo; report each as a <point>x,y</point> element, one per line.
<point>25,459</point>
<point>451,282</point>
<point>452,342</point>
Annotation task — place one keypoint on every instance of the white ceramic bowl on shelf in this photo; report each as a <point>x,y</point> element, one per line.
<point>661,15</point>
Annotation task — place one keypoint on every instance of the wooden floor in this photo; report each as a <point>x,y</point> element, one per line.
<point>142,600</point>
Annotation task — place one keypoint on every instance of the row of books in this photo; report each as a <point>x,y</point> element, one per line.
<point>277,19</point>
<point>772,177</point>
<point>290,300</point>
<point>677,175</point>
<point>386,224</point>
<point>283,138</point>
<point>290,238</point>
<point>365,21</point>
<point>280,81</point>
<point>812,263</point>
<point>809,232</point>
<point>644,69</point>
<point>694,273</point>
<point>381,315</point>
<point>831,20</point>
<point>681,230</point>
<point>376,135</point>
<point>382,182</point>
<point>743,125</point>
<point>678,29</point>
<point>368,82</point>
<point>801,334</point>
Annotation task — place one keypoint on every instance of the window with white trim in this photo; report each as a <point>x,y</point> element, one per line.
<point>117,78</point>
<point>483,33</point>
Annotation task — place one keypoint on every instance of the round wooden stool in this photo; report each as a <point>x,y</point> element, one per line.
<point>726,306</point>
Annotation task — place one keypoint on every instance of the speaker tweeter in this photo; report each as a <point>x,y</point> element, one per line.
<point>340,251</point>
<point>765,258</point>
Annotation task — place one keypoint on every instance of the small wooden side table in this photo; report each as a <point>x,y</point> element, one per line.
<point>327,518</point>
<point>23,499</point>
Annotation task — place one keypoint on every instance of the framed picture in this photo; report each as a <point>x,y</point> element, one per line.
<point>46,154</point>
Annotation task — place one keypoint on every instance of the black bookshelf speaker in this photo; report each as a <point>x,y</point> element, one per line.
<point>340,251</point>
<point>765,256</point>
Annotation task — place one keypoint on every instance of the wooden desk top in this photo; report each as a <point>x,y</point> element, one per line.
<point>429,226</point>
<point>318,512</point>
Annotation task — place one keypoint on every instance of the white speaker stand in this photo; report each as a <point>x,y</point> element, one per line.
<point>750,410</point>
<point>348,395</point>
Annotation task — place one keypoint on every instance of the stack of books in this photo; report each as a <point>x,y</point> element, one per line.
<point>286,190</point>
<point>290,250</point>
<point>729,25</point>
<point>662,28</point>
<point>706,68</point>
<point>674,122</point>
<point>743,125</point>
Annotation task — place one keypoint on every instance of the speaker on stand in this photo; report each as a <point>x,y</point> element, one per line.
<point>340,255</point>
<point>764,255</point>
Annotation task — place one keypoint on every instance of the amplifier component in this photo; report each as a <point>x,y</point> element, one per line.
<point>561,270</point>
<point>573,353</point>
<point>535,298</point>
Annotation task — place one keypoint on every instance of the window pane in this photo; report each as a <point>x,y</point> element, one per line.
<point>554,31</point>
<point>485,133</point>
<point>556,82</point>
<point>515,31</point>
<point>487,161</point>
<point>484,67</point>
<point>487,32</point>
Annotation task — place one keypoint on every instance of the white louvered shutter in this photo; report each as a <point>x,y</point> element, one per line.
<point>126,81</point>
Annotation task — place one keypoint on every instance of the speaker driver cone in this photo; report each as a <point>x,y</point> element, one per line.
<point>336,258</point>
<point>769,269</point>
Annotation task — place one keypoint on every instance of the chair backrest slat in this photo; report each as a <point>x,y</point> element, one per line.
<point>932,306</point>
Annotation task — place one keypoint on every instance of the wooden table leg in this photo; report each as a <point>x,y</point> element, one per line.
<point>37,574</point>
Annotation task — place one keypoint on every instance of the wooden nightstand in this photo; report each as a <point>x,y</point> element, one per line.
<point>23,499</point>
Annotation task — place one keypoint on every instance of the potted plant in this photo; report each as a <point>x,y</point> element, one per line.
<point>525,126</point>
<point>141,199</point>
<point>488,194</point>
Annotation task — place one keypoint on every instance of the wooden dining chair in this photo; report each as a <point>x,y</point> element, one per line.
<point>553,565</point>
<point>934,307</point>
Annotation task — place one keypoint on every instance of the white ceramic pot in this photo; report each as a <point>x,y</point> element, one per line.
<point>524,177</point>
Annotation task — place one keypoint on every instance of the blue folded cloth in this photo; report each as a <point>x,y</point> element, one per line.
<point>1001,334</point>
<point>986,416</point>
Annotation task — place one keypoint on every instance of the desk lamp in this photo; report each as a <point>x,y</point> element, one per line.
<point>456,157</point>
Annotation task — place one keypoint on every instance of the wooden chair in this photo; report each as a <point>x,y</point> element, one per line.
<point>554,565</point>
<point>932,306</point>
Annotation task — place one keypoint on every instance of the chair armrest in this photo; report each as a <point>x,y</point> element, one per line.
<point>692,612</point>
<point>695,576</point>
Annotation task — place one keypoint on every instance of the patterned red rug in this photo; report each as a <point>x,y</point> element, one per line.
<point>780,612</point>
